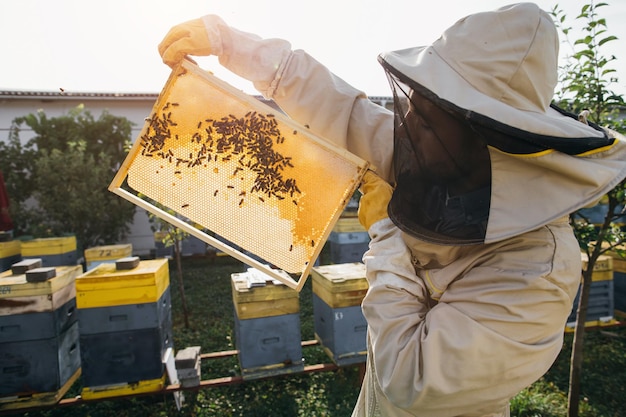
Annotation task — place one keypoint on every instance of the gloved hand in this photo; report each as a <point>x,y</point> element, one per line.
<point>376,194</point>
<point>189,38</point>
<point>247,55</point>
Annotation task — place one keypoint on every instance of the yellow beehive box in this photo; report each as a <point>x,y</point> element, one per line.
<point>105,285</point>
<point>10,248</point>
<point>619,263</point>
<point>256,295</point>
<point>10,253</point>
<point>340,285</point>
<point>12,286</point>
<point>602,269</point>
<point>107,253</point>
<point>348,224</point>
<point>121,390</point>
<point>48,246</point>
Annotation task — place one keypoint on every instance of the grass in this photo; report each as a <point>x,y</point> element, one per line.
<point>208,294</point>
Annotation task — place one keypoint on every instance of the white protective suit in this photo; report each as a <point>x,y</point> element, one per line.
<point>453,330</point>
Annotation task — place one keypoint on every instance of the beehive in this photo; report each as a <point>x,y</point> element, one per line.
<point>267,325</point>
<point>125,326</point>
<point>108,253</point>
<point>340,326</point>
<point>348,224</point>
<point>600,305</point>
<point>106,286</point>
<point>53,251</point>
<point>10,253</point>
<point>619,284</point>
<point>39,342</point>
<point>275,190</point>
<point>256,294</point>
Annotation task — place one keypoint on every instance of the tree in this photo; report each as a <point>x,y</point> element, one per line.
<point>71,187</point>
<point>16,162</point>
<point>586,90</point>
<point>57,181</point>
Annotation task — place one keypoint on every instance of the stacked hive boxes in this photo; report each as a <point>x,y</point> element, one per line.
<point>108,253</point>
<point>619,284</point>
<point>39,341</point>
<point>267,325</point>
<point>340,326</point>
<point>124,312</point>
<point>348,241</point>
<point>54,251</point>
<point>600,307</point>
<point>10,253</point>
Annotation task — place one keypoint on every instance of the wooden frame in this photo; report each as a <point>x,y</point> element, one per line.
<point>324,188</point>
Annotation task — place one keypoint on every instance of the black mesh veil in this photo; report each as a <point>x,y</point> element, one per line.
<point>430,170</point>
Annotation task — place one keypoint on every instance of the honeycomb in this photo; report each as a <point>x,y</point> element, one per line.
<point>241,170</point>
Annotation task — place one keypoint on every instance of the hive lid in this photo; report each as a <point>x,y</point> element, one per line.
<point>338,273</point>
<point>238,174</point>
<point>12,285</point>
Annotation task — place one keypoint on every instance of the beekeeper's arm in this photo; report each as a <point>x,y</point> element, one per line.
<point>301,86</point>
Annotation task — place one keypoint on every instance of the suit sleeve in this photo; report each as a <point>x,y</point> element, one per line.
<point>309,93</point>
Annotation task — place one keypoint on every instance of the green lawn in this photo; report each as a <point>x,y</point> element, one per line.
<point>208,292</point>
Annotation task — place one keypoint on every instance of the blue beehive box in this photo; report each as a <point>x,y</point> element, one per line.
<point>340,326</point>
<point>267,325</point>
<point>619,285</point>
<point>348,241</point>
<point>600,306</point>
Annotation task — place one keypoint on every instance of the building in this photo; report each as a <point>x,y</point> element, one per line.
<point>133,106</point>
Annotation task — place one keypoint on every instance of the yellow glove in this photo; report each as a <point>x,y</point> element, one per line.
<point>376,194</point>
<point>188,38</point>
<point>245,54</point>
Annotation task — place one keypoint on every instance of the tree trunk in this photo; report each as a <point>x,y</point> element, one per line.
<point>576,363</point>
<point>181,286</point>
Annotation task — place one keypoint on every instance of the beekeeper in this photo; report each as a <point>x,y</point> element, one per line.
<point>472,266</point>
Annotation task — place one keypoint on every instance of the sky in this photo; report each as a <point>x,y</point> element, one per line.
<point>111,46</point>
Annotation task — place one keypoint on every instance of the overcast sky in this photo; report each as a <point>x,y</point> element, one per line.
<point>111,46</point>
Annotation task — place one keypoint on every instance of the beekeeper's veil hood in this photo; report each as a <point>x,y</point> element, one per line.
<point>496,73</point>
